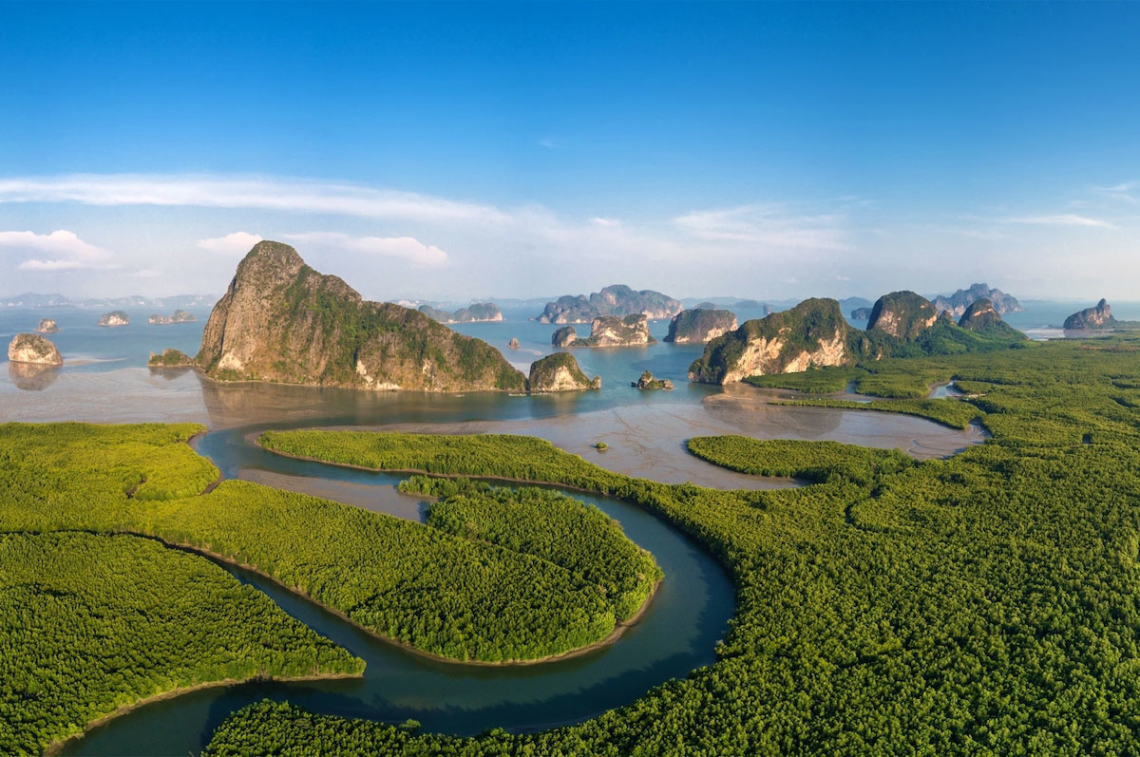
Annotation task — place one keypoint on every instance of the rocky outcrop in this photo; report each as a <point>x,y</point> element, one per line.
<point>1091,319</point>
<point>979,316</point>
<point>647,382</point>
<point>114,318</point>
<point>47,326</point>
<point>478,313</point>
<point>181,316</point>
<point>564,337</point>
<point>611,331</point>
<point>33,349</point>
<point>813,333</point>
<point>170,358</point>
<point>957,303</point>
<point>861,314</point>
<point>560,373</point>
<point>903,315</point>
<point>615,300</point>
<point>282,321</point>
<point>513,344</point>
<point>700,325</point>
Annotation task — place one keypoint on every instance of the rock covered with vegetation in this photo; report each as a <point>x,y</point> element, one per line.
<point>903,315</point>
<point>282,321</point>
<point>33,349</point>
<point>615,300</point>
<point>813,333</point>
<point>559,372</point>
<point>478,313</point>
<point>170,358</point>
<point>179,316</point>
<point>1091,319</point>
<point>861,314</point>
<point>700,325</point>
<point>647,382</point>
<point>957,303</point>
<point>47,326</point>
<point>114,318</point>
<point>612,331</point>
<point>982,316</point>
<point>565,336</point>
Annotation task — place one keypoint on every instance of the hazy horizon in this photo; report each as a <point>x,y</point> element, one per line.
<point>447,152</point>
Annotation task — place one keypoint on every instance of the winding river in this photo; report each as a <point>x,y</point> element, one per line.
<point>645,433</point>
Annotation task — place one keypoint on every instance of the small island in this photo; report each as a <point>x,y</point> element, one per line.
<point>170,358</point>
<point>608,331</point>
<point>179,316</point>
<point>616,300</point>
<point>33,349</point>
<point>560,373</point>
<point>647,382</point>
<point>700,325</point>
<point>1097,318</point>
<point>114,318</point>
<point>861,314</point>
<point>513,344</point>
<point>47,326</point>
<point>480,312</point>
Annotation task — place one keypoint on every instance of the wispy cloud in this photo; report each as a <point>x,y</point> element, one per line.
<point>1061,219</point>
<point>552,143</point>
<point>768,224</point>
<point>405,248</point>
<point>607,223</point>
<point>265,193</point>
<point>237,243</point>
<point>68,250</point>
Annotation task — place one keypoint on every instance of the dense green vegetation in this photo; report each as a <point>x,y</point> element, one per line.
<point>478,602</point>
<point>549,526</point>
<point>92,623</point>
<point>984,604</point>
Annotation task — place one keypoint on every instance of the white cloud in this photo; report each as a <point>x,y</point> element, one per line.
<point>69,251</point>
<point>265,193</point>
<point>1062,219</point>
<point>406,248</point>
<point>605,222</point>
<point>237,243</point>
<point>771,225</point>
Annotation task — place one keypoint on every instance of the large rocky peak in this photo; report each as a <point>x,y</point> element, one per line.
<point>980,316</point>
<point>957,303</point>
<point>282,321</point>
<point>33,349</point>
<point>1099,317</point>
<point>904,315</point>
<point>612,331</point>
<point>700,325</point>
<point>614,300</point>
<point>813,333</point>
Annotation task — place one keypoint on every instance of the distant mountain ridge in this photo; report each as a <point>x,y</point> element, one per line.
<point>957,303</point>
<point>615,300</point>
<point>33,300</point>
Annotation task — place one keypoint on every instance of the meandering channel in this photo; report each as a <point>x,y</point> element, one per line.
<point>676,634</point>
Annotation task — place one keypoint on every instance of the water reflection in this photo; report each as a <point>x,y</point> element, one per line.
<point>30,377</point>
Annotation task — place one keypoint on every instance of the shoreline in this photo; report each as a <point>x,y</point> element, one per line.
<point>54,747</point>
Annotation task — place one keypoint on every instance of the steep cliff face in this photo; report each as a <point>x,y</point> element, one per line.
<point>33,349</point>
<point>611,331</point>
<point>615,300</point>
<point>812,333</point>
<point>560,373</point>
<point>564,337</point>
<point>1091,319</point>
<point>700,325</point>
<point>903,315</point>
<point>282,321</point>
<point>957,303</point>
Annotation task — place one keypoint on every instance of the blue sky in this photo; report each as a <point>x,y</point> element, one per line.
<point>465,150</point>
